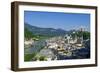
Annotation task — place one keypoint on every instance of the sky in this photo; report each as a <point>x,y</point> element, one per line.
<point>58,20</point>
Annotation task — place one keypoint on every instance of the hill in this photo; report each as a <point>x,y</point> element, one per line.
<point>44,31</point>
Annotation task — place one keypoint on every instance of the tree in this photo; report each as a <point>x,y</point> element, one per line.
<point>28,34</point>
<point>86,35</point>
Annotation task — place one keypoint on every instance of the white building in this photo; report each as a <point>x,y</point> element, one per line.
<point>29,42</point>
<point>52,45</point>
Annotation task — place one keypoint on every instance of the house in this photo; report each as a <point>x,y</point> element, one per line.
<point>52,45</point>
<point>29,42</point>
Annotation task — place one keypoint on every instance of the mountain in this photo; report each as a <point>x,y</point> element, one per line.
<point>44,31</point>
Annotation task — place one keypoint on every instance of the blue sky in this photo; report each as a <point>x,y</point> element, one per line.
<point>66,21</point>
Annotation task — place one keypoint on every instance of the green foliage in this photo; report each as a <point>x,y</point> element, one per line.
<point>86,35</point>
<point>42,58</point>
<point>79,34</point>
<point>27,34</point>
<point>28,57</point>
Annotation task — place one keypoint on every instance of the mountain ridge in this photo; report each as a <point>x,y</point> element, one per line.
<point>45,31</point>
